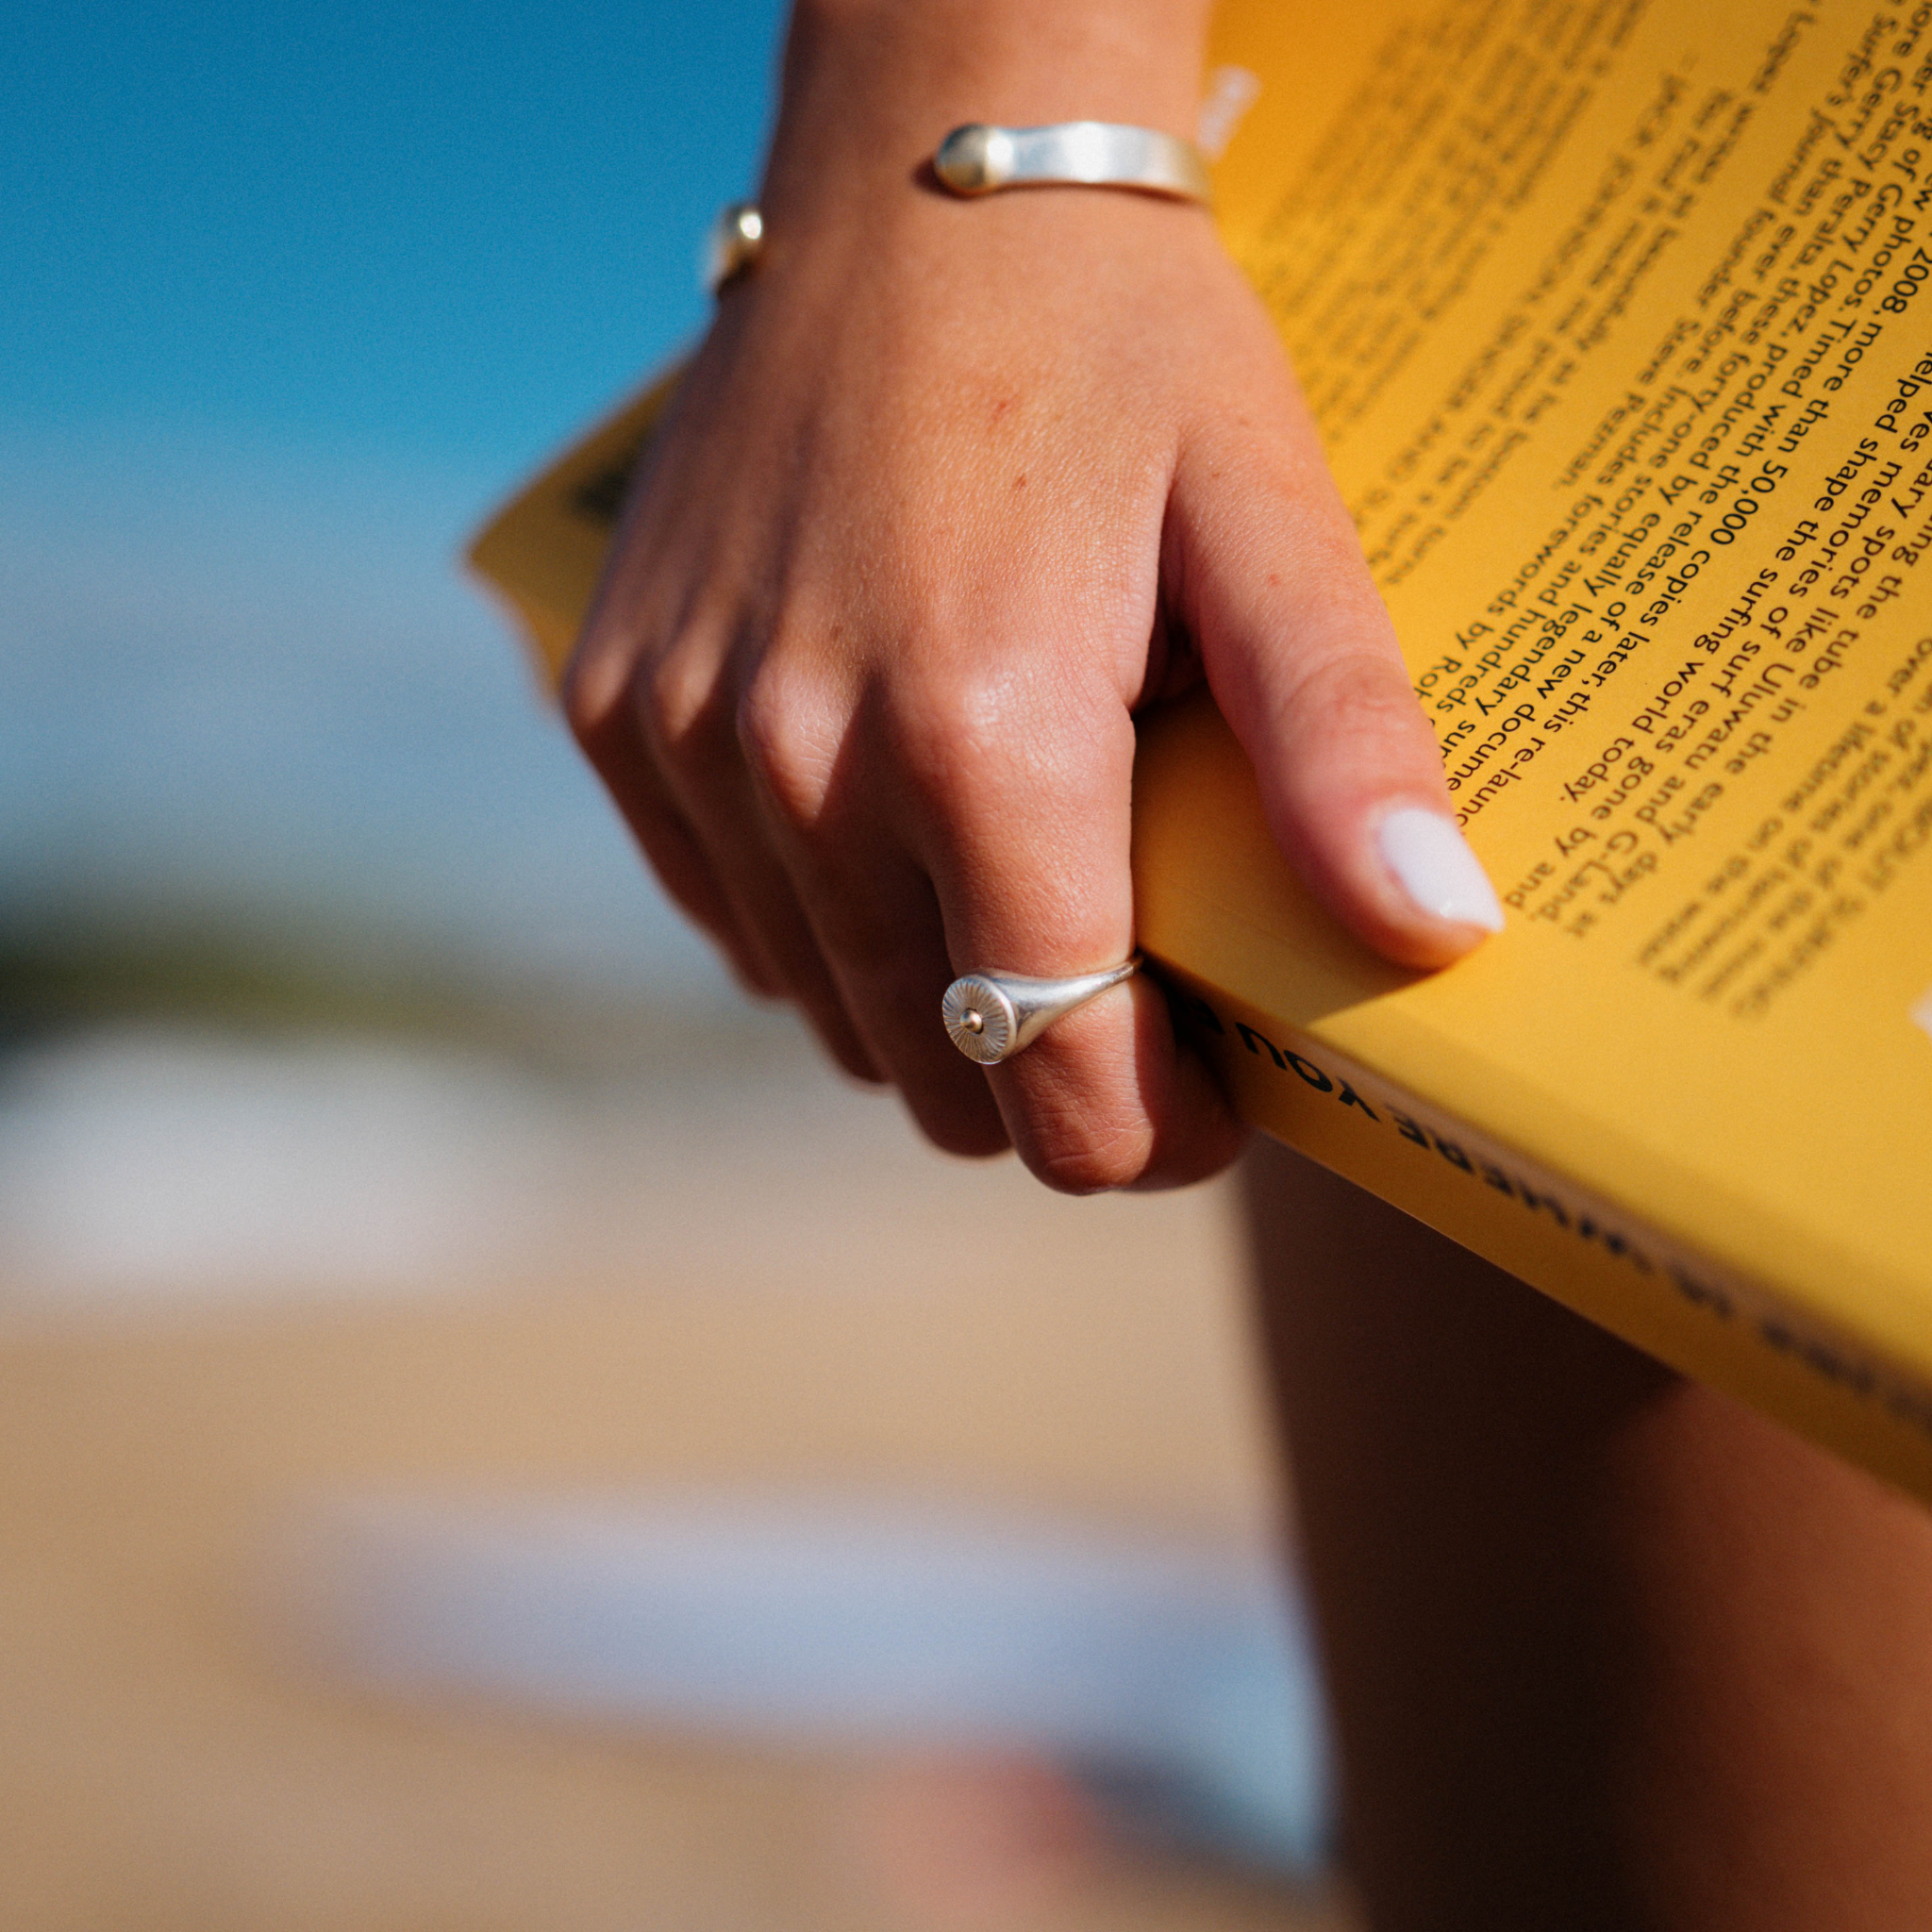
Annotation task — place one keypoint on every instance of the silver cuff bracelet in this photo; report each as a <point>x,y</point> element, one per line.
<point>982,159</point>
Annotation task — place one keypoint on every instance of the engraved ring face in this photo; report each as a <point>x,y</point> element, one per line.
<point>992,1015</point>
<point>980,1019</point>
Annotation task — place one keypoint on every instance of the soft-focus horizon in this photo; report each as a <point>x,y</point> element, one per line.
<point>294,298</point>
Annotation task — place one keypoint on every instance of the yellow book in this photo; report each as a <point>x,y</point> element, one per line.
<point>1617,319</point>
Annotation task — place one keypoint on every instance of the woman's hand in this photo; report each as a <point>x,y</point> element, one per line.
<point>950,490</point>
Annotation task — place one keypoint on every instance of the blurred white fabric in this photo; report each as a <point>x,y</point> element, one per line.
<point>1176,1677</point>
<point>169,1167</point>
<point>157,1164</point>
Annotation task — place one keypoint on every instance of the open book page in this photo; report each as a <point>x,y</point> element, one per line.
<point>1617,318</point>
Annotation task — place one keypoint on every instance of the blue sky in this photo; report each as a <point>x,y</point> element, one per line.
<point>293,294</point>
<point>445,231</point>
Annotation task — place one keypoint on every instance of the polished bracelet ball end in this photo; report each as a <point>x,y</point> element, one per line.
<point>975,159</point>
<point>737,240</point>
<point>991,1016</point>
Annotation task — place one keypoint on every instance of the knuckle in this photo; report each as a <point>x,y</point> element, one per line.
<point>591,692</point>
<point>1086,1169</point>
<point>978,732</point>
<point>1077,1153</point>
<point>676,695</point>
<point>947,721</point>
<point>783,740</point>
<point>1361,678</point>
<point>1354,688</point>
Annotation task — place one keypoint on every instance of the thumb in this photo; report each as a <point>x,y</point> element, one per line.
<point>1300,653</point>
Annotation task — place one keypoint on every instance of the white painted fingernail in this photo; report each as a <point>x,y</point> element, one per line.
<point>1429,855</point>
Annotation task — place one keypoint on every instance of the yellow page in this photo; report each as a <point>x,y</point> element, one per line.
<point>1617,318</point>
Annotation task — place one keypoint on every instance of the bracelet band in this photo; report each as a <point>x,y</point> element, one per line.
<point>982,160</point>
<point>979,159</point>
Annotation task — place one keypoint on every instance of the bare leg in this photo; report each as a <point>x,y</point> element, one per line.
<point>1603,1648</point>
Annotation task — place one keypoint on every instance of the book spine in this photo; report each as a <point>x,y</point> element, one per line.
<point>1592,1256</point>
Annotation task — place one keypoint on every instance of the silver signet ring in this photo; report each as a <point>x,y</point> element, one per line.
<point>991,1016</point>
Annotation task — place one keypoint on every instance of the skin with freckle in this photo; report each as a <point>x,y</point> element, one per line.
<point>905,559</point>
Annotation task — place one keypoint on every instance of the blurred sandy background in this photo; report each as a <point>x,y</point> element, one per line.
<point>367,1124</point>
<point>249,1271</point>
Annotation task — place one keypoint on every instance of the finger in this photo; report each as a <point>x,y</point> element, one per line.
<point>1302,662</point>
<point>758,890</point>
<point>870,903</point>
<point>669,845</point>
<point>1025,835</point>
<point>655,742</point>
<point>878,923</point>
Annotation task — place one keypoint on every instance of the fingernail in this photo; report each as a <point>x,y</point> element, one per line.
<point>1429,855</point>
